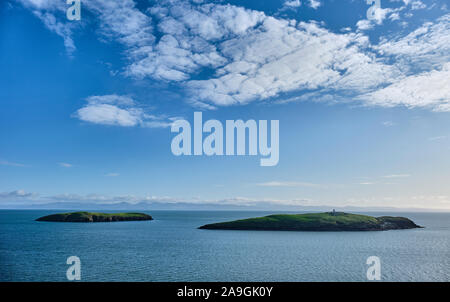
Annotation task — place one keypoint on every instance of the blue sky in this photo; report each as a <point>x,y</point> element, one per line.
<point>363,104</point>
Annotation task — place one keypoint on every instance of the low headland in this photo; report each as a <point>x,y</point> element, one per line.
<point>94,217</point>
<point>327,222</point>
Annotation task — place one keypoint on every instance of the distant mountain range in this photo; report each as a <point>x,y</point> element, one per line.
<point>81,206</point>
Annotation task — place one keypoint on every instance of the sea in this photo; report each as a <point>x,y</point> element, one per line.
<point>172,248</point>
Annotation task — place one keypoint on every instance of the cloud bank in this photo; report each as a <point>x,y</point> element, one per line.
<point>250,56</point>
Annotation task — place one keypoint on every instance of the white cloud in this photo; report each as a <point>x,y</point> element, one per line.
<point>53,14</point>
<point>287,184</point>
<point>118,110</point>
<point>109,115</point>
<point>428,89</point>
<point>112,174</point>
<point>315,4</point>
<point>394,16</point>
<point>60,28</point>
<point>426,47</point>
<point>378,17</point>
<point>406,2</point>
<point>380,14</point>
<point>415,5</point>
<point>188,36</point>
<point>252,56</point>
<point>18,194</point>
<point>65,165</point>
<point>437,138</point>
<point>113,99</point>
<point>396,176</point>
<point>388,123</point>
<point>292,3</point>
<point>301,56</point>
<point>10,163</point>
<point>364,24</point>
<point>121,20</point>
<point>42,4</point>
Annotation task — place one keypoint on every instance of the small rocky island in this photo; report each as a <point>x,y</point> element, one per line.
<point>94,217</point>
<point>327,222</point>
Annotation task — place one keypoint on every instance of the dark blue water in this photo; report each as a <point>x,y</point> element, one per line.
<point>171,248</point>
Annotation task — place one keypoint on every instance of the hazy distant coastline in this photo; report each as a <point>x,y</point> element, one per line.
<point>201,206</point>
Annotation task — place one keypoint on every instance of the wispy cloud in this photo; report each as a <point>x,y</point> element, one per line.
<point>53,14</point>
<point>397,176</point>
<point>437,138</point>
<point>292,3</point>
<point>370,183</point>
<point>315,4</point>
<point>416,5</point>
<point>287,184</point>
<point>388,123</point>
<point>429,90</point>
<point>113,174</point>
<point>379,14</point>
<point>65,165</point>
<point>426,48</point>
<point>12,164</point>
<point>18,194</point>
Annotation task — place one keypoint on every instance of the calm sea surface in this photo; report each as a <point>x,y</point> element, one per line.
<point>171,248</point>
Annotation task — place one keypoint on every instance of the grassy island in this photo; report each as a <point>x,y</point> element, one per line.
<point>94,217</point>
<point>329,221</point>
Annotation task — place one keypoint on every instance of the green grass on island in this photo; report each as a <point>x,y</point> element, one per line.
<point>329,221</point>
<point>94,217</point>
